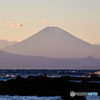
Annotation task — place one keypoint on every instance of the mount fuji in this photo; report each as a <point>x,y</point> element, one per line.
<point>54,42</point>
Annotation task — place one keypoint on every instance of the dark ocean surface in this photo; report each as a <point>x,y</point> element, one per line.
<point>12,74</point>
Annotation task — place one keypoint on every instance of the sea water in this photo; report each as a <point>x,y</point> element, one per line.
<point>29,98</point>
<point>41,98</point>
<point>12,74</point>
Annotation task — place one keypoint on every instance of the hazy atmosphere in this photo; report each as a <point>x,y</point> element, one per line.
<point>50,50</point>
<point>19,19</point>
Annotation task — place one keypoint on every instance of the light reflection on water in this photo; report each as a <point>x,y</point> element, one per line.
<point>92,97</point>
<point>29,98</point>
<point>12,74</point>
<point>6,97</point>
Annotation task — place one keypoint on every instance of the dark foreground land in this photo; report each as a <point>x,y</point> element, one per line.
<point>45,86</point>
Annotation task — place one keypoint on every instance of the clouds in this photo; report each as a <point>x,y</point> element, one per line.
<point>16,25</point>
<point>45,22</point>
<point>11,24</point>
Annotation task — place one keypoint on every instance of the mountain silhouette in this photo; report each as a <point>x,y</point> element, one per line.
<point>56,43</point>
<point>13,61</point>
<point>6,43</point>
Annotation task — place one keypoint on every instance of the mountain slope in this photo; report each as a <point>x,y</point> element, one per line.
<point>54,42</point>
<point>12,61</point>
<point>5,43</point>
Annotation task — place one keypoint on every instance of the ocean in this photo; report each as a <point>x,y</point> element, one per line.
<point>6,74</point>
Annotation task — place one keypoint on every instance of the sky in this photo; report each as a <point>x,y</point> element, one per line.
<point>20,19</point>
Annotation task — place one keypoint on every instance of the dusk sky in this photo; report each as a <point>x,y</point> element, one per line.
<point>20,19</point>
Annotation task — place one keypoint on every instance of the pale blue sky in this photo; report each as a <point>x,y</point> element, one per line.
<point>20,19</point>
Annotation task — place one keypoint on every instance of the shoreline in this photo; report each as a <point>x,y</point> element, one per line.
<point>46,86</point>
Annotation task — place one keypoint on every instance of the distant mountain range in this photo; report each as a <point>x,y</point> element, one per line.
<point>6,43</point>
<point>56,43</point>
<point>12,61</point>
<point>51,48</point>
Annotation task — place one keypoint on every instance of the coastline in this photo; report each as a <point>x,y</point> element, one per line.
<point>46,86</point>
